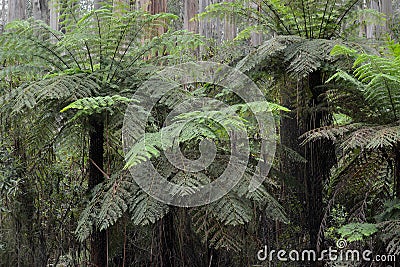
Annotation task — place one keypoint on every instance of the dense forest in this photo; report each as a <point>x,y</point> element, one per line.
<point>199,133</point>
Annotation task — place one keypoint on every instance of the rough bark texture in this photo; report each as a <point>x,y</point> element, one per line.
<point>397,169</point>
<point>40,10</point>
<point>16,10</point>
<point>3,15</point>
<point>191,8</point>
<point>320,157</point>
<point>53,15</point>
<point>289,136</point>
<point>152,6</point>
<point>292,168</point>
<point>98,239</point>
<point>167,235</point>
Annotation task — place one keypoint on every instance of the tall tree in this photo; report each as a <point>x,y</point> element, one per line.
<point>376,28</point>
<point>16,10</point>
<point>40,10</point>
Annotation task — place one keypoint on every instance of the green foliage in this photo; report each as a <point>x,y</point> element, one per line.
<point>204,124</point>
<point>391,211</point>
<point>117,195</point>
<point>337,219</point>
<point>101,52</point>
<point>367,141</point>
<point>309,19</point>
<point>389,224</point>
<point>357,231</point>
<point>291,54</point>
<point>92,66</point>
<point>376,80</point>
<point>90,105</point>
<point>391,236</point>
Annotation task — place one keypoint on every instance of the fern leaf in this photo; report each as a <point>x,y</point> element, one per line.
<point>145,210</point>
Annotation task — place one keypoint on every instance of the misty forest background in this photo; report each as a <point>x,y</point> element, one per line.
<point>330,71</point>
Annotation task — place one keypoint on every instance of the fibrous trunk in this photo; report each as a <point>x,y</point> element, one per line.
<point>306,115</point>
<point>98,239</point>
<point>320,156</point>
<point>397,170</point>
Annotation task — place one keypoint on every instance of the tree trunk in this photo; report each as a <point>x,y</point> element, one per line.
<point>370,29</point>
<point>167,235</point>
<point>3,13</point>
<point>98,239</point>
<point>40,10</point>
<point>53,15</point>
<point>191,8</point>
<point>16,10</point>
<point>25,209</point>
<point>397,170</point>
<point>289,136</point>
<point>320,157</point>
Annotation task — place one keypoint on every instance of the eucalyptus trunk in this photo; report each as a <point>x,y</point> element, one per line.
<point>40,10</point>
<point>16,10</point>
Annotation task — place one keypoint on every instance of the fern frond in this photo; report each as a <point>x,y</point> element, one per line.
<point>109,203</point>
<point>90,105</point>
<point>305,57</point>
<point>261,197</point>
<point>213,232</point>
<point>65,87</point>
<point>273,48</point>
<point>144,209</point>
<point>231,210</point>
<point>330,132</point>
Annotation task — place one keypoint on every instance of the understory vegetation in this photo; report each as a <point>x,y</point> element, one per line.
<point>327,174</point>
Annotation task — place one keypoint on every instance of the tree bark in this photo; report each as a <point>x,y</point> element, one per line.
<point>53,15</point>
<point>397,170</point>
<point>320,156</point>
<point>3,15</point>
<point>16,10</point>
<point>372,30</point>
<point>191,8</point>
<point>98,239</point>
<point>40,10</point>
<point>167,235</point>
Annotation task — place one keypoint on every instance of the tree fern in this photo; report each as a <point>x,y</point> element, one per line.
<point>286,17</point>
<point>91,66</point>
<point>144,209</point>
<point>91,105</point>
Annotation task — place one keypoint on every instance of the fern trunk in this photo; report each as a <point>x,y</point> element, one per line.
<point>397,170</point>
<point>320,156</point>
<point>25,211</point>
<point>98,239</point>
<point>289,137</point>
<point>167,233</point>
